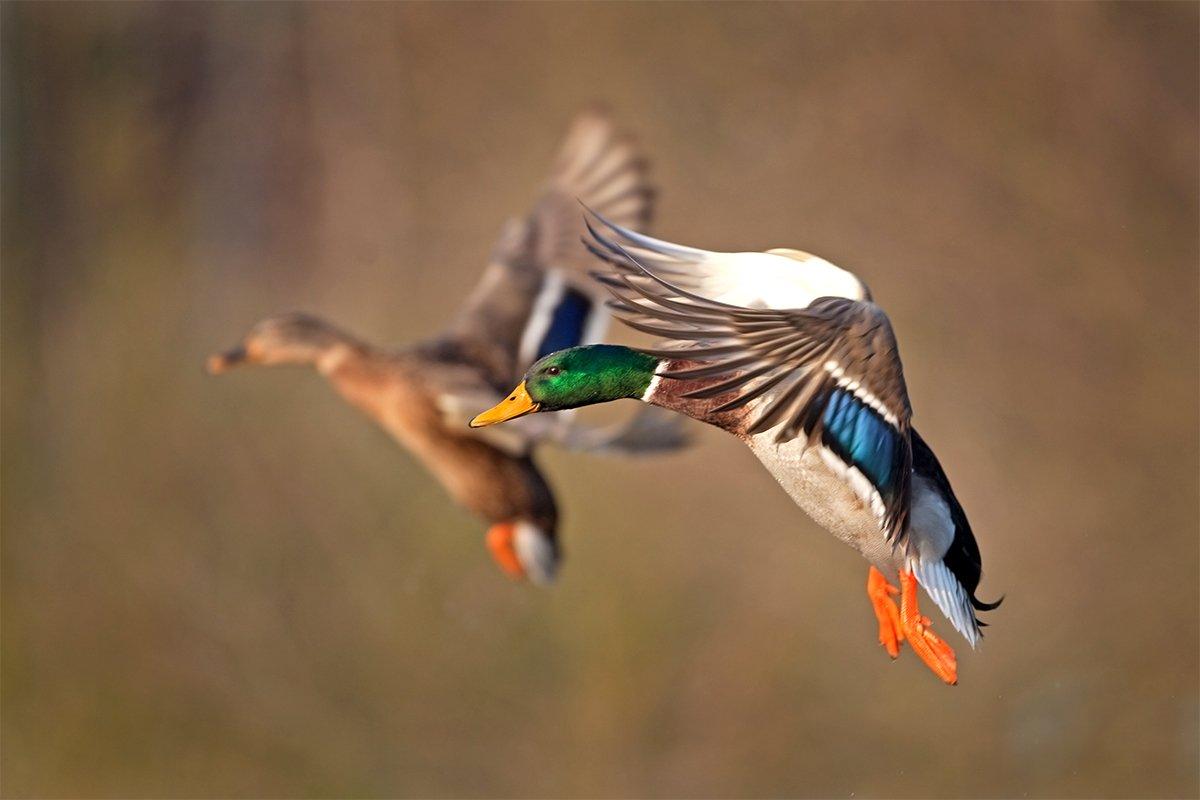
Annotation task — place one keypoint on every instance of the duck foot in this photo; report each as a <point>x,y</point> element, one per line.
<point>501,542</point>
<point>936,654</point>
<point>891,633</point>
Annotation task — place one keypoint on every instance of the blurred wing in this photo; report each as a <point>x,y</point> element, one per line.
<point>650,430</point>
<point>460,394</point>
<point>457,410</point>
<point>600,167</point>
<point>532,299</point>
<point>774,279</point>
<point>830,372</point>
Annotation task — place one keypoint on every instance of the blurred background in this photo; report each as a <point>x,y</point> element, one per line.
<point>239,587</point>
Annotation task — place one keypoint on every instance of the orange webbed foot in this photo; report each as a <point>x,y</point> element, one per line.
<point>936,654</point>
<point>891,632</point>
<point>501,543</point>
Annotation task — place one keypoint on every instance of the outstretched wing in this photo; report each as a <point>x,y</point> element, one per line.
<point>602,167</point>
<point>775,279</point>
<point>830,372</point>
<point>533,297</point>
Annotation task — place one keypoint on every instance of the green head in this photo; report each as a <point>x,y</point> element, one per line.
<point>578,376</point>
<point>582,376</point>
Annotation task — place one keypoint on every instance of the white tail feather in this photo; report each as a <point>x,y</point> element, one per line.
<point>944,589</point>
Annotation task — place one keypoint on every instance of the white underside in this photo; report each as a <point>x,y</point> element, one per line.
<point>827,497</point>
<point>825,489</point>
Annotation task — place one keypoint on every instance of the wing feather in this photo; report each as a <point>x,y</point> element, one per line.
<point>533,294</point>
<point>777,279</point>
<point>830,372</point>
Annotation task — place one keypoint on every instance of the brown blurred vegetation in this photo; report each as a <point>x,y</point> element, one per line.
<point>238,587</point>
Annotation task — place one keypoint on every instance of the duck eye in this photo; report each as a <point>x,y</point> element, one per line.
<point>553,370</point>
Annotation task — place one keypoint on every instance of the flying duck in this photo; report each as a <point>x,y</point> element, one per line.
<point>789,353</point>
<point>532,299</point>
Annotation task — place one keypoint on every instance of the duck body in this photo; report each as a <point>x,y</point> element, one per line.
<point>400,391</point>
<point>529,300</point>
<point>815,477</point>
<point>825,496</point>
<point>816,392</point>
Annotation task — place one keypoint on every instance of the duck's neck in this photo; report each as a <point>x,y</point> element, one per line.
<point>642,376</point>
<point>331,359</point>
<point>349,364</point>
<point>672,394</point>
<point>294,339</point>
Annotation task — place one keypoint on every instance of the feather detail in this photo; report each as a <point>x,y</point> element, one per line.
<point>949,595</point>
<point>600,166</point>
<point>532,295</point>
<point>562,316</point>
<point>830,372</point>
<point>779,278</point>
<point>961,554</point>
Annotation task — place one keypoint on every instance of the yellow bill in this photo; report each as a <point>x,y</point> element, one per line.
<point>517,404</point>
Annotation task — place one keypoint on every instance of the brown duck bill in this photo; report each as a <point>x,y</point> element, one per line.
<point>517,404</point>
<point>223,361</point>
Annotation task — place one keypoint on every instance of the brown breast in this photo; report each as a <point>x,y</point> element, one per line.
<point>670,394</point>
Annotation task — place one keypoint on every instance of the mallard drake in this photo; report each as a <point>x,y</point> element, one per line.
<point>787,352</point>
<point>532,299</point>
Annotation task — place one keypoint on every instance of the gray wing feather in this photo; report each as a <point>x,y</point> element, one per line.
<point>649,430</point>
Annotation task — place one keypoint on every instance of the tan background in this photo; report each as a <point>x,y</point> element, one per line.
<point>238,587</point>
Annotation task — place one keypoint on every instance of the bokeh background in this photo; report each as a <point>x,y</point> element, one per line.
<point>239,587</point>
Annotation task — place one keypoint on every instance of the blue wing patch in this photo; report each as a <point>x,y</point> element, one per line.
<point>861,437</point>
<point>567,323</point>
